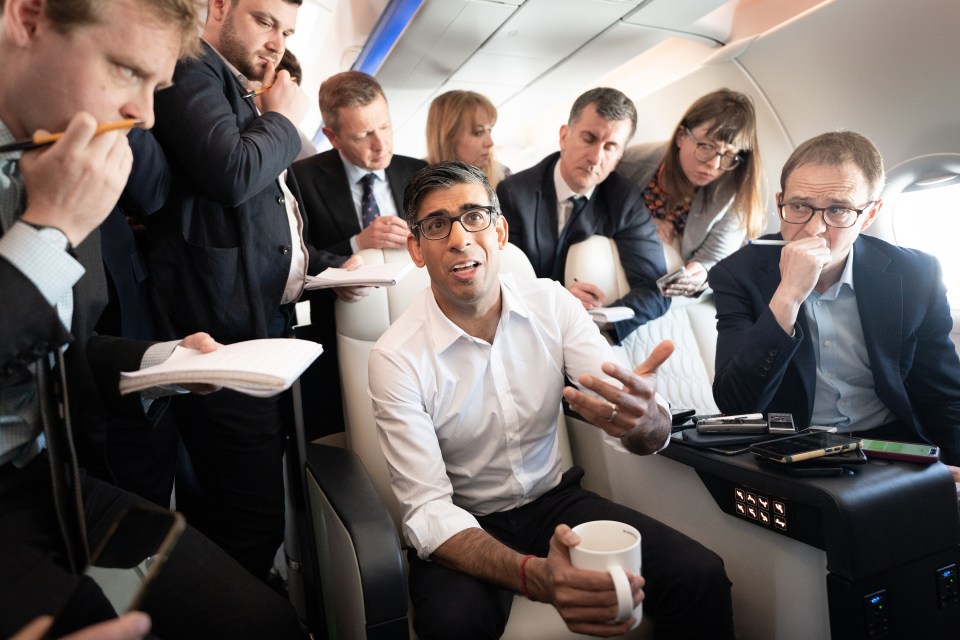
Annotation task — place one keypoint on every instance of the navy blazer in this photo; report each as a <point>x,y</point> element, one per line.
<point>328,202</point>
<point>220,248</point>
<point>129,313</point>
<point>906,325</point>
<point>615,210</point>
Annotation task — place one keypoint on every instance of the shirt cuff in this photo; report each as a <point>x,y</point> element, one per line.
<point>353,245</point>
<point>154,355</point>
<point>434,523</point>
<point>42,259</point>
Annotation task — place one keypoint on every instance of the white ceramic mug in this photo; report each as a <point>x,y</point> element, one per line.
<point>614,547</point>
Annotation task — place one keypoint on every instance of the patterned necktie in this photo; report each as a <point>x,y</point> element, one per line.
<point>368,204</point>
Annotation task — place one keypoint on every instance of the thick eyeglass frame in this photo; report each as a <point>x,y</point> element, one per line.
<point>732,160</point>
<point>814,210</point>
<point>491,211</point>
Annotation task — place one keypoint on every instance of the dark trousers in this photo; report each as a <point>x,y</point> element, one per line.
<point>200,592</point>
<point>687,593</point>
<point>235,443</point>
<point>143,457</point>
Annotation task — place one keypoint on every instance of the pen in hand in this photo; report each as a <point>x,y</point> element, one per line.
<point>41,140</point>
<point>589,293</point>
<point>261,90</point>
<point>772,243</point>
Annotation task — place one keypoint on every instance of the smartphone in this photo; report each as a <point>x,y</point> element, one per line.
<point>664,281</point>
<point>804,446</point>
<point>742,423</point>
<point>680,416</point>
<point>912,452</point>
<point>128,559</point>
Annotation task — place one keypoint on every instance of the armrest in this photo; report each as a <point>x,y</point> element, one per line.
<point>358,551</point>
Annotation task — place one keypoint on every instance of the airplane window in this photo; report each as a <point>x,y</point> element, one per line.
<point>928,219</point>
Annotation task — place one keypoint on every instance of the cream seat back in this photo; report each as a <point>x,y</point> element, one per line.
<point>686,379</point>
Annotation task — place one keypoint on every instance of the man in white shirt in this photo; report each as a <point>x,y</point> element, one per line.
<point>466,388</point>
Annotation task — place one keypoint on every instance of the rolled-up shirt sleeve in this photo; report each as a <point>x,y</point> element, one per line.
<point>409,443</point>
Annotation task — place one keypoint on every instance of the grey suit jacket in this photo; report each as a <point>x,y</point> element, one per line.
<point>713,230</point>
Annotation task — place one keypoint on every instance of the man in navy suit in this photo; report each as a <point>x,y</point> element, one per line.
<point>574,194</point>
<point>227,253</point>
<point>837,328</point>
<point>352,195</point>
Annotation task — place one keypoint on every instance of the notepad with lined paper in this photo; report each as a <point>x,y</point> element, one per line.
<point>368,275</point>
<point>260,368</point>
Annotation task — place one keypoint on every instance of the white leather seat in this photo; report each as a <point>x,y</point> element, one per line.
<point>359,325</point>
<point>686,379</point>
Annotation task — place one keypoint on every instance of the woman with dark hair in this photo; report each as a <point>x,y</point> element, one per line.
<point>702,188</point>
<point>459,127</point>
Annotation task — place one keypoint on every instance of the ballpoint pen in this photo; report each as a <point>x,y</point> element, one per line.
<point>42,140</point>
<point>773,243</point>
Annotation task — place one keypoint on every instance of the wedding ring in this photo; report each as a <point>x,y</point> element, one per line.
<point>613,413</point>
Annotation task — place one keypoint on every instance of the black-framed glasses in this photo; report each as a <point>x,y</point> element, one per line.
<point>839,217</point>
<point>473,220</point>
<point>706,152</point>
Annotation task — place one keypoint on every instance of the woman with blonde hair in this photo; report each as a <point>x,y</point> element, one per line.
<point>459,127</point>
<point>703,187</point>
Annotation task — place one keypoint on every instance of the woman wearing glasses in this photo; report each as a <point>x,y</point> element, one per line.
<point>702,188</point>
<point>460,127</point>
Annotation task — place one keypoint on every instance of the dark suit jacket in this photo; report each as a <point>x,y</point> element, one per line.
<point>329,204</point>
<point>30,329</point>
<point>129,313</point>
<point>906,325</point>
<point>220,248</point>
<point>615,210</point>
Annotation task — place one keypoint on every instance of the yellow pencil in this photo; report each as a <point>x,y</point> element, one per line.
<point>257,92</point>
<point>38,140</point>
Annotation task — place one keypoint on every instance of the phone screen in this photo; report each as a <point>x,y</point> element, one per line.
<point>133,551</point>
<point>803,445</point>
<point>923,450</point>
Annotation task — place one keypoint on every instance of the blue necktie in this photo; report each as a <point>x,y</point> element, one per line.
<point>368,204</point>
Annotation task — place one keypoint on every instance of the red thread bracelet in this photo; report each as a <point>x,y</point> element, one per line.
<point>523,577</point>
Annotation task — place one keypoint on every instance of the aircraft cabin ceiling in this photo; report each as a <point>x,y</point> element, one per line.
<point>529,56</point>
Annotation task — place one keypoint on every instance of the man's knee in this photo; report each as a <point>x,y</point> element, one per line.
<point>461,619</point>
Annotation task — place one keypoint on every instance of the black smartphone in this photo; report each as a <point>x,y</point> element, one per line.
<point>680,416</point>
<point>130,556</point>
<point>804,446</point>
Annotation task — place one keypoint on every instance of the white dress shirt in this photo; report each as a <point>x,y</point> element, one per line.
<point>564,193</point>
<point>469,427</point>
<point>845,395</point>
